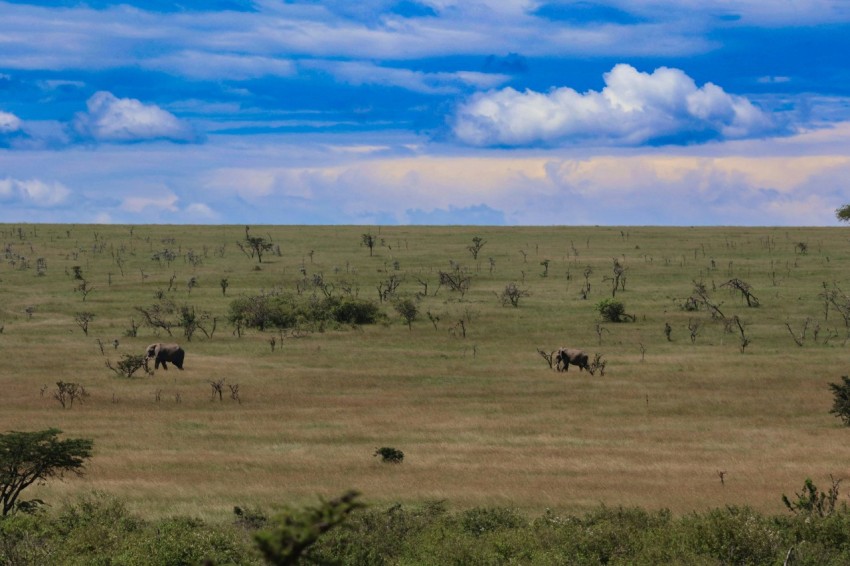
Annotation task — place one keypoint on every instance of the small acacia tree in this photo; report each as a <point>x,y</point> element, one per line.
<point>843,213</point>
<point>512,294</point>
<point>254,245</point>
<point>35,457</point>
<point>130,364</point>
<point>408,310</point>
<point>477,243</point>
<point>841,399</point>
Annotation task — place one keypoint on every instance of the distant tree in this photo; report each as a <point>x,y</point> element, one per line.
<point>477,243</point>
<point>456,280</point>
<point>67,392</point>
<point>28,458</point>
<point>369,241</point>
<point>254,245</point>
<point>83,319</point>
<point>84,288</point>
<point>843,213</point>
<point>745,289</point>
<point>160,315</point>
<point>408,310</point>
<point>511,295</point>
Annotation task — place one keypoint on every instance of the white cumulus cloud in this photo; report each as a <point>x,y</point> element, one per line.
<point>33,192</point>
<point>9,123</point>
<point>633,108</point>
<point>113,119</point>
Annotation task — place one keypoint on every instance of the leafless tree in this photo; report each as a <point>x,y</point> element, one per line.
<point>433,318</point>
<point>801,337</point>
<point>424,284</point>
<point>548,356</point>
<point>745,289</point>
<point>598,364</point>
<point>158,315</point>
<point>618,278</point>
<point>83,319</point>
<point>745,340</point>
<point>694,328</point>
<point>456,280</point>
<point>217,387</point>
<point>700,298</point>
<point>387,288</point>
<point>67,392</point>
<point>599,330</point>
<point>234,392</point>
<point>84,289</point>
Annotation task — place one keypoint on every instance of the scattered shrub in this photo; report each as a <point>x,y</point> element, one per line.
<point>390,455</point>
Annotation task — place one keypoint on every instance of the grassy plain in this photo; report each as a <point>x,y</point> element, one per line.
<point>482,419</point>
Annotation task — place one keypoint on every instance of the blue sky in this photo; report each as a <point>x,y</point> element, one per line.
<point>503,112</point>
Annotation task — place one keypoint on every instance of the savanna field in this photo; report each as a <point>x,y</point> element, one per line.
<point>701,414</point>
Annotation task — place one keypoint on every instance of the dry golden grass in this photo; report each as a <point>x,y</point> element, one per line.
<point>481,419</point>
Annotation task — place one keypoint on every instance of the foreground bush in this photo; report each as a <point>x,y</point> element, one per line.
<point>99,530</point>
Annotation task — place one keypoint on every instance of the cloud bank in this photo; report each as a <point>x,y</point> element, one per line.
<point>633,108</point>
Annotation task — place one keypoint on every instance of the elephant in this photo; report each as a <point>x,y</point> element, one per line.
<point>567,356</point>
<point>162,353</point>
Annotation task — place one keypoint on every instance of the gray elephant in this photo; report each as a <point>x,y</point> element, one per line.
<point>162,353</point>
<point>567,356</point>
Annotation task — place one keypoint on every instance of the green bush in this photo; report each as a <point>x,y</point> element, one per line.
<point>841,399</point>
<point>285,310</point>
<point>98,530</point>
<point>186,541</point>
<point>356,311</point>
<point>481,520</point>
<point>736,535</point>
<point>390,455</point>
<point>612,310</point>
